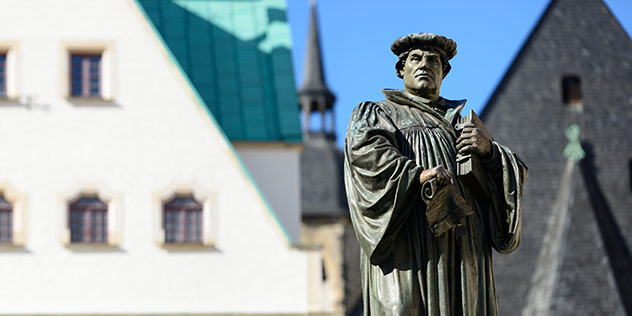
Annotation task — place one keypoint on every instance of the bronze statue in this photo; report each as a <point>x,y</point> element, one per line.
<point>430,252</point>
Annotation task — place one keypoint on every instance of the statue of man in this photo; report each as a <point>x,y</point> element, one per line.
<point>395,146</point>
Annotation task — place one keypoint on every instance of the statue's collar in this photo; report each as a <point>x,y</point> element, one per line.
<point>451,107</point>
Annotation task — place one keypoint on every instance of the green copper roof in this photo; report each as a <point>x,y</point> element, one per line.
<point>237,55</point>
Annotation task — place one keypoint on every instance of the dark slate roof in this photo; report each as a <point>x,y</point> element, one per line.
<point>526,113</point>
<point>588,280</point>
<point>322,182</point>
<point>237,56</point>
<point>313,84</point>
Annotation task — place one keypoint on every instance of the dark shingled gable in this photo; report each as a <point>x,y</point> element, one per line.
<point>526,113</point>
<point>322,185</point>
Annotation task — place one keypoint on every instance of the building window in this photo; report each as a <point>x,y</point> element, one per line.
<point>88,220</point>
<point>571,89</point>
<point>6,221</point>
<point>85,75</point>
<point>182,220</point>
<point>3,75</point>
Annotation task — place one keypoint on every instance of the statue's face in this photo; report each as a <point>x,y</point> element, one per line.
<point>423,73</point>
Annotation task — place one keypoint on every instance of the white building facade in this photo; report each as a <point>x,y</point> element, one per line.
<point>136,138</point>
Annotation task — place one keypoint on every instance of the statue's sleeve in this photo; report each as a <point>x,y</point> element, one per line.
<point>508,177</point>
<point>382,184</point>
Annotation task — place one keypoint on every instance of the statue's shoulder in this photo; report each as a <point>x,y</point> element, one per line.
<point>367,107</point>
<point>377,108</point>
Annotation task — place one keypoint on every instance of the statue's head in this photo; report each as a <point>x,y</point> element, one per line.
<point>423,62</point>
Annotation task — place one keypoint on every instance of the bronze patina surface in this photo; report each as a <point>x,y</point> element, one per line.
<point>419,256</point>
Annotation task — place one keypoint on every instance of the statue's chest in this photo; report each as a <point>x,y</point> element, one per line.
<point>411,122</point>
<point>407,117</point>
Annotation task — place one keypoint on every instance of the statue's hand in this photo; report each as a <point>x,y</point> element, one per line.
<point>473,140</point>
<point>442,174</point>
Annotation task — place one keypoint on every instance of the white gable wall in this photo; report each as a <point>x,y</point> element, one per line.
<point>276,168</point>
<point>153,139</point>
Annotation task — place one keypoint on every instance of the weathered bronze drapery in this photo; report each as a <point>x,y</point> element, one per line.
<point>406,268</point>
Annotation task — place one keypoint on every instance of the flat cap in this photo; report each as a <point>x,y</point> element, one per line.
<point>414,40</point>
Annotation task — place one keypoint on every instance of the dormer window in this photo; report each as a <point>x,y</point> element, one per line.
<point>572,90</point>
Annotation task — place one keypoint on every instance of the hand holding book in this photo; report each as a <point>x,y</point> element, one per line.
<point>474,142</point>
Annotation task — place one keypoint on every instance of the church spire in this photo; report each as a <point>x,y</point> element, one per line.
<point>314,96</point>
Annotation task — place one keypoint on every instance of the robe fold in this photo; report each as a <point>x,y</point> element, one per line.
<point>406,270</point>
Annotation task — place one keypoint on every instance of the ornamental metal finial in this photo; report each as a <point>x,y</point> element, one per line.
<point>574,148</point>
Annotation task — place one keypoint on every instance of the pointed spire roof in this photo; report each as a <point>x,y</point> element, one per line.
<point>313,84</point>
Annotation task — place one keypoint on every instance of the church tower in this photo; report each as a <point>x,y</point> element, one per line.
<point>325,215</point>
<point>314,96</point>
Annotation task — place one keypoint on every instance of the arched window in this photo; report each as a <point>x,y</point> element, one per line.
<point>6,221</point>
<point>88,220</point>
<point>571,89</point>
<point>182,220</point>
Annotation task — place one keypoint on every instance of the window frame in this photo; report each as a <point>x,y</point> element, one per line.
<point>4,94</point>
<point>210,223</point>
<point>105,193</point>
<point>572,92</point>
<point>85,77</point>
<point>184,233</point>
<point>18,217</point>
<point>10,49</point>
<point>6,207</point>
<point>88,47</point>
<point>88,220</point>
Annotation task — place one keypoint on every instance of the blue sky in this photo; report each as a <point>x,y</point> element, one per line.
<point>356,36</point>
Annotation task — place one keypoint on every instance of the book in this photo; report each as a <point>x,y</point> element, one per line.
<point>445,207</point>
<point>469,167</point>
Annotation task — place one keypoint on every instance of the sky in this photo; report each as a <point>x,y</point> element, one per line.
<point>356,36</point>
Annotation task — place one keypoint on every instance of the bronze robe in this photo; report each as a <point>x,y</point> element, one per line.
<point>406,270</point>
